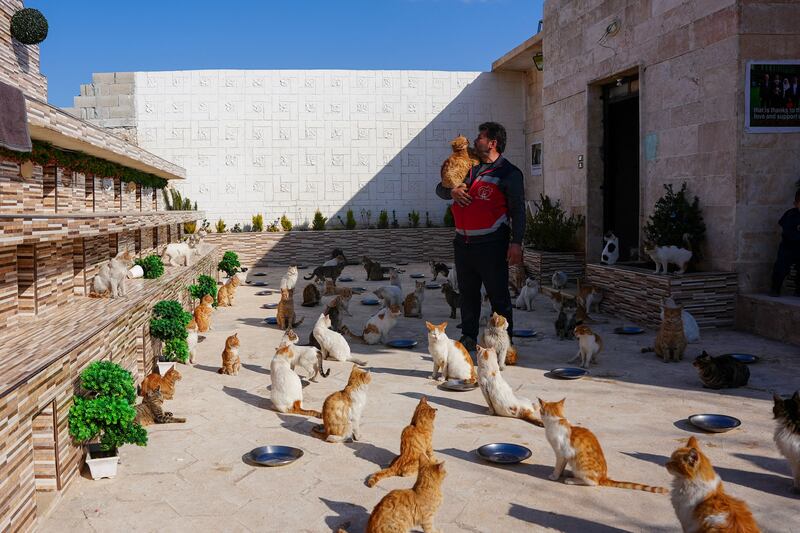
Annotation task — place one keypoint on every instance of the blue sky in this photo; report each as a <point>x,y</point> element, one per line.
<point>114,35</point>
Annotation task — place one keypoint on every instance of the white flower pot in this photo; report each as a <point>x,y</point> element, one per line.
<point>164,366</point>
<point>136,271</point>
<point>100,467</point>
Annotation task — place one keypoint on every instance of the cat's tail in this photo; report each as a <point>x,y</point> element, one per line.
<point>648,349</point>
<point>320,359</point>
<point>511,356</point>
<point>345,331</point>
<point>298,322</point>
<point>297,409</point>
<point>309,276</point>
<point>105,294</point>
<point>528,415</point>
<point>634,486</point>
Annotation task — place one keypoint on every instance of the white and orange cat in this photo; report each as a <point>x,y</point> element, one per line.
<point>495,336</point>
<point>192,338</point>
<point>227,293</point>
<point>412,305</point>
<point>380,324</point>
<point>309,358</point>
<point>450,358</point>
<point>497,392</point>
<point>286,391</point>
<point>331,343</point>
<point>289,280</point>
<point>342,410</point>
<point>578,448</point>
<point>589,345</point>
<point>699,499</point>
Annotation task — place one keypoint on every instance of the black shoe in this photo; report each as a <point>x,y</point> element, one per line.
<point>468,342</point>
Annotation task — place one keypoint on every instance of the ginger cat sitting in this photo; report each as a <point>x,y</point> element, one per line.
<point>699,500</point>
<point>202,313</point>
<point>230,356</point>
<point>456,167</point>
<point>226,293</point>
<point>167,383</point>
<point>415,441</point>
<point>341,412</point>
<point>579,448</point>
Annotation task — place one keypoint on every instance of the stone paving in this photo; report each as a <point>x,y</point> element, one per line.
<point>192,477</point>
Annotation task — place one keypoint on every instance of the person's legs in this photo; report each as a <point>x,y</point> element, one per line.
<point>796,261</point>
<point>469,287</point>
<point>494,273</point>
<point>783,264</point>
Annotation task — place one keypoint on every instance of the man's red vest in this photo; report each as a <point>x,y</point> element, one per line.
<point>488,209</point>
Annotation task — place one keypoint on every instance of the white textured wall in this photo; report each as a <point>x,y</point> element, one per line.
<point>290,141</point>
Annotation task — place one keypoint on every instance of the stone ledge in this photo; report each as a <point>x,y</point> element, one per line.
<point>774,318</point>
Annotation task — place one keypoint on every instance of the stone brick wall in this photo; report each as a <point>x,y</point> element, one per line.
<point>19,63</point>
<point>108,101</point>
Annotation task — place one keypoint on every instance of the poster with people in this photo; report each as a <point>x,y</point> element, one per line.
<point>772,97</point>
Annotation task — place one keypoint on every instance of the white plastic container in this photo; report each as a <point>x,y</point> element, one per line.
<point>136,271</point>
<point>101,467</point>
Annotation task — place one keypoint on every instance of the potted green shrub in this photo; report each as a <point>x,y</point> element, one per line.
<point>205,285</point>
<point>674,218</point>
<point>258,223</point>
<point>102,416</point>
<point>286,224</point>
<point>152,266</point>
<point>229,263</point>
<point>318,224</point>
<point>551,241</point>
<point>168,325</point>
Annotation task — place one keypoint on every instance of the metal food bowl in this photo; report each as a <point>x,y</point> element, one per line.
<point>370,301</point>
<point>524,333</point>
<point>628,330</point>
<point>460,385</point>
<point>275,455</point>
<point>402,343</point>
<point>417,275</point>
<point>504,453</point>
<point>715,423</point>
<point>433,285</point>
<point>271,320</point>
<point>260,274</point>
<point>345,278</point>
<point>270,306</point>
<point>569,372</point>
<point>746,358</point>
<point>259,283</point>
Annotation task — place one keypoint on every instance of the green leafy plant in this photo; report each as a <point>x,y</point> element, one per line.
<point>152,266</point>
<point>350,220</point>
<point>165,329</point>
<point>230,263</point>
<point>258,222</point>
<point>286,224</point>
<point>220,226</point>
<point>550,229</point>
<point>205,285</point>
<point>413,219</point>
<point>274,227</point>
<point>318,224</point>
<point>172,310</point>
<point>173,201</point>
<point>105,408</point>
<point>673,217</point>
<point>383,219</point>
<point>190,227</point>
<point>175,350</point>
<point>449,221</point>
<point>29,26</point>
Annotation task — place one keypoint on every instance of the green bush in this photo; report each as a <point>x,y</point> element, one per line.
<point>673,217</point>
<point>221,226</point>
<point>175,350</point>
<point>350,221</point>
<point>286,224</point>
<point>106,408</point>
<point>318,224</point>
<point>29,26</point>
<point>168,328</point>
<point>383,219</point>
<point>449,221</point>
<point>171,310</point>
<point>229,264</point>
<point>152,266</point>
<point>205,285</point>
<point>258,222</point>
<point>413,219</point>
<point>550,229</point>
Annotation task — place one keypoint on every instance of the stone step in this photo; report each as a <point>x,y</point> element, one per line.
<point>772,317</point>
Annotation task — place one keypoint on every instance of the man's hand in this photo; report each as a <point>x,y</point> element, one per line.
<point>514,256</point>
<point>461,196</point>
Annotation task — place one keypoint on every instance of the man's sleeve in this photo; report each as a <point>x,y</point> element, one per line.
<point>443,192</point>
<point>515,196</point>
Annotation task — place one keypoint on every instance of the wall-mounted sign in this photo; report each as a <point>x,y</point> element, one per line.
<point>772,96</point>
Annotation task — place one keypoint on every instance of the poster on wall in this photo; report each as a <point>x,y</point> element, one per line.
<point>772,97</point>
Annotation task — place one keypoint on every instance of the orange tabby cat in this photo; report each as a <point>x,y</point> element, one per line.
<point>415,441</point>
<point>670,339</point>
<point>167,383</point>
<point>341,412</point>
<point>202,313</point>
<point>403,509</point>
<point>285,312</point>
<point>226,293</point>
<point>700,501</point>
<point>579,448</point>
<point>456,167</point>
<point>230,356</point>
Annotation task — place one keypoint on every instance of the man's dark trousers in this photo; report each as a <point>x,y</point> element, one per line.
<point>482,263</point>
<point>788,255</point>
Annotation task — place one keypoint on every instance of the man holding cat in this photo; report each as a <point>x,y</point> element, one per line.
<point>789,249</point>
<point>489,213</point>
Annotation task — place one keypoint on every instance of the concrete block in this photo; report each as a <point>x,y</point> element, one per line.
<point>84,101</point>
<point>124,77</point>
<point>107,101</point>
<point>103,77</point>
<point>121,88</point>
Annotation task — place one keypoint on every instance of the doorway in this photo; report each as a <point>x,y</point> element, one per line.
<point>621,163</point>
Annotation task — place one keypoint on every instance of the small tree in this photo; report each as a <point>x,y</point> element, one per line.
<point>318,224</point>
<point>258,222</point>
<point>175,350</point>
<point>413,219</point>
<point>229,263</point>
<point>105,408</point>
<point>172,310</point>
<point>674,217</point>
<point>152,266</point>
<point>221,226</point>
<point>550,229</point>
<point>383,219</point>
<point>350,222</point>
<point>449,221</point>
<point>286,224</point>
<point>205,285</point>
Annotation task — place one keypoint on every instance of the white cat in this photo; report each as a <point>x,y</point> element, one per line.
<point>389,294</point>
<point>449,356</point>
<point>498,394</point>
<point>589,345</point>
<point>486,311</point>
<point>289,280</point>
<point>611,252</point>
<point>380,324</point>
<point>308,358</point>
<point>336,261</point>
<point>286,391</point>
<point>110,279</point>
<point>179,253</point>
<point>662,256</point>
<point>527,295</point>
<point>690,327</point>
<point>394,279</point>
<point>332,344</point>
<point>495,336</point>
<point>192,339</point>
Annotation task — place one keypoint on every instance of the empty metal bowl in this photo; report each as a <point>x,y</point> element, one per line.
<point>569,372</point>
<point>260,274</point>
<point>264,293</point>
<point>270,306</point>
<point>715,423</point>
<point>271,320</point>
<point>746,358</point>
<point>260,283</point>
<point>417,275</point>
<point>345,278</point>
<point>459,385</point>
<point>504,453</point>
<point>370,301</point>
<point>524,333</point>
<point>402,263</point>
<point>275,455</point>
<point>402,343</point>
<point>628,330</point>
<point>433,285</point>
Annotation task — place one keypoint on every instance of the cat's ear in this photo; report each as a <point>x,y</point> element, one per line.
<point>692,443</point>
<point>692,457</point>
<point>541,402</point>
<point>777,398</point>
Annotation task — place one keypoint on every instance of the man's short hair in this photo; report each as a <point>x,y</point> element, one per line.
<point>495,132</point>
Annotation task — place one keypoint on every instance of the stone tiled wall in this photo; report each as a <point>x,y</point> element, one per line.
<point>8,286</point>
<point>542,265</point>
<point>314,247</point>
<point>19,63</point>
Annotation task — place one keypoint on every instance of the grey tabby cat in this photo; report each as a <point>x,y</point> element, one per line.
<point>723,372</point>
<point>566,322</point>
<point>322,272</point>
<point>151,411</point>
<point>453,298</point>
